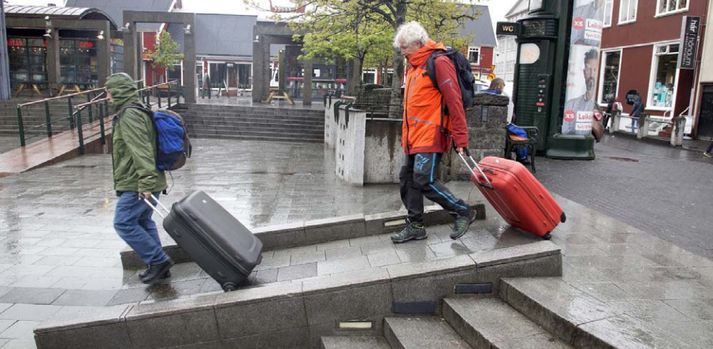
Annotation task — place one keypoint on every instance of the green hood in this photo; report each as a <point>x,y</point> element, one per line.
<point>123,90</point>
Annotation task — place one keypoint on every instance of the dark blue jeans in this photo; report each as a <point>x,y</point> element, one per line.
<point>133,223</point>
<point>418,179</point>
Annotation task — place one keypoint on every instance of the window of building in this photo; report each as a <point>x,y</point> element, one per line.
<point>174,73</point>
<point>663,77</point>
<point>666,7</point>
<point>609,81</point>
<point>474,55</point>
<point>608,8</point>
<point>627,11</point>
<point>27,59</point>
<point>77,62</point>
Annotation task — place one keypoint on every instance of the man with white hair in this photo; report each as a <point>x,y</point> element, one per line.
<point>433,118</point>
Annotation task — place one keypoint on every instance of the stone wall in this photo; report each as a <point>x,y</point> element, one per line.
<point>368,149</point>
<point>486,121</point>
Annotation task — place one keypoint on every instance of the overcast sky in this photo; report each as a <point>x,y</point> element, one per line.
<point>498,8</point>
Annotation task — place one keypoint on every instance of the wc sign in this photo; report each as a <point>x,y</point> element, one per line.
<point>508,28</point>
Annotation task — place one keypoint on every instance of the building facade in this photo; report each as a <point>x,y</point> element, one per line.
<point>506,51</point>
<point>641,51</point>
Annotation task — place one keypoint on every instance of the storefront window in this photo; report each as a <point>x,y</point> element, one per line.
<point>610,75</point>
<point>244,76</point>
<point>27,60</point>
<point>77,62</point>
<point>661,92</point>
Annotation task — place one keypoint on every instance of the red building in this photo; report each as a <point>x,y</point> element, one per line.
<point>641,50</point>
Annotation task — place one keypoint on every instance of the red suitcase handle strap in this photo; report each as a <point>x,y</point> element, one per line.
<point>475,166</point>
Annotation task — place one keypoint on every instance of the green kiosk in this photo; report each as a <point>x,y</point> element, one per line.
<point>558,48</point>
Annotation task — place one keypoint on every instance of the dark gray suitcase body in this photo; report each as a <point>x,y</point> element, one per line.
<point>216,240</point>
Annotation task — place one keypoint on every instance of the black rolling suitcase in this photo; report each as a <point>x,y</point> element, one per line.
<point>216,241</point>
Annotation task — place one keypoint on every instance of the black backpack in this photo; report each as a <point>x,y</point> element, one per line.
<point>466,81</point>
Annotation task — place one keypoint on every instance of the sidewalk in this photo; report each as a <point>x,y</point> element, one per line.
<point>60,255</point>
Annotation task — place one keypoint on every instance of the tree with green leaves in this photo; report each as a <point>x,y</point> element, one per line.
<point>363,30</point>
<point>166,52</point>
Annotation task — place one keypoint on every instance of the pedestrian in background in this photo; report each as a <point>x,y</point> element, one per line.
<point>496,86</point>
<point>136,177</point>
<point>708,151</point>
<point>427,132</point>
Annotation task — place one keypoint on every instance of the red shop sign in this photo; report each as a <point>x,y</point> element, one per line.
<point>86,44</point>
<point>15,42</point>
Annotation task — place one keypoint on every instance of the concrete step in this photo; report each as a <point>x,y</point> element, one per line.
<point>354,342</point>
<point>580,319</point>
<point>488,322</point>
<point>421,332</point>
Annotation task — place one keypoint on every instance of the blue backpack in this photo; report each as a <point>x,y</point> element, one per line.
<point>173,145</point>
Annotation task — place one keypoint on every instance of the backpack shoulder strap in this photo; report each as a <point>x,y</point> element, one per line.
<point>431,65</point>
<point>141,107</point>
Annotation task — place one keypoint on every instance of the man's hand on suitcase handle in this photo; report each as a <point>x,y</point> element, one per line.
<point>145,195</point>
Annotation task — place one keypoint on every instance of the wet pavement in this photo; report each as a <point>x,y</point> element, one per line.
<point>59,255</point>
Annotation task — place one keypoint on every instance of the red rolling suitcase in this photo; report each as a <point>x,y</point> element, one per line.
<point>516,194</point>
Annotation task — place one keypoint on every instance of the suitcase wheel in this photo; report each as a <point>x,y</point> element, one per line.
<point>546,236</point>
<point>229,286</point>
<point>563,217</point>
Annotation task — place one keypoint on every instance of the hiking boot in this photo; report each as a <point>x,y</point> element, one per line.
<point>707,154</point>
<point>462,223</point>
<point>412,231</point>
<point>156,272</point>
<point>143,274</point>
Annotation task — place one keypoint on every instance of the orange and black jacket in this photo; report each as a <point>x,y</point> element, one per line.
<point>422,131</point>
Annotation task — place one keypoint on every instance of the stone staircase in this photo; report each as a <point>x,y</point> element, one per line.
<point>466,322</point>
<point>434,293</point>
<point>253,122</point>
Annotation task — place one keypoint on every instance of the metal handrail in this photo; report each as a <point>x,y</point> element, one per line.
<point>74,111</point>
<point>59,97</point>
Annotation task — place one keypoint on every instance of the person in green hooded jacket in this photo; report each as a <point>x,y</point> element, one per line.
<point>136,177</point>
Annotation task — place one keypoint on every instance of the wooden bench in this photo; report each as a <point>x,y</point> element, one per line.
<point>277,94</point>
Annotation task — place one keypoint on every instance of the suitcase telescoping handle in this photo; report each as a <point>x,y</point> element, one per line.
<point>475,166</point>
<point>159,208</point>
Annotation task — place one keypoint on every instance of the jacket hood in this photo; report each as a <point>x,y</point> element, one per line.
<point>420,57</point>
<point>123,90</point>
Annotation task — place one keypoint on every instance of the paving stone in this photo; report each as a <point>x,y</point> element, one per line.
<point>342,265</point>
<point>85,297</point>
<point>20,330</point>
<point>383,259</point>
<point>29,312</point>
<point>31,295</point>
<point>129,295</point>
<point>300,271</point>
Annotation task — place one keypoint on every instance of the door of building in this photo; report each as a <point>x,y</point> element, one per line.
<point>705,121</point>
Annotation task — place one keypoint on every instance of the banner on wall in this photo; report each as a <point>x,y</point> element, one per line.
<point>583,65</point>
<point>689,41</point>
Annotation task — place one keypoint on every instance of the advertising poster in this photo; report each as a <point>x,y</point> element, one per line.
<point>583,65</point>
